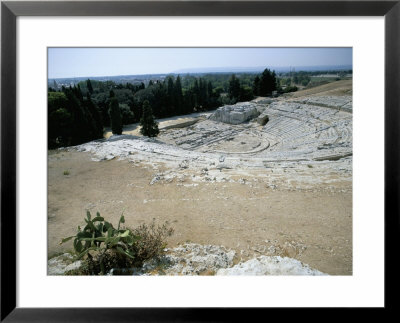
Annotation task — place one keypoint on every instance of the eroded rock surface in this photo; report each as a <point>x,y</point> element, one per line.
<point>305,141</point>
<point>192,259</point>
<point>344,103</point>
<point>61,264</point>
<point>266,265</point>
<point>196,259</point>
<point>236,114</point>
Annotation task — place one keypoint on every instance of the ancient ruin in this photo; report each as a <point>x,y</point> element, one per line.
<point>269,179</point>
<point>278,139</point>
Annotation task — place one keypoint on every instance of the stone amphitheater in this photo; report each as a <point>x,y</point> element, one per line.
<point>314,129</point>
<point>271,177</point>
<point>279,140</point>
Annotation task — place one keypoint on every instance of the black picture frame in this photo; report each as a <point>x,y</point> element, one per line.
<point>10,10</point>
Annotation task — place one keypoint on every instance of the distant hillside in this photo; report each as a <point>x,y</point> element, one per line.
<point>145,78</point>
<point>259,69</point>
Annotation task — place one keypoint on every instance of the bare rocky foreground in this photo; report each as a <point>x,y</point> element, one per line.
<point>265,178</point>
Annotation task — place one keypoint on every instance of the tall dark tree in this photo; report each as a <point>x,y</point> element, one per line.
<point>209,89</point>
<point>72,119</point>
<point>78,92</point>
<point>189,100</point>
<point>149,126</point>
<point>59,120</point>
<point>89,86</point>
<point>267,83</point>
<point>80,116</point>
<point>256,85</point>
<point>234,88</point>
<point>178,96</point>
<point>203,99</point>
<point>196,92</point>
<point>115,116</point>
<point>95,119</point>
<point>246,94</point>
<point>170,96</point>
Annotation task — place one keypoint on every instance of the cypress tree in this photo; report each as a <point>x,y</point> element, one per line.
<point>178,95</point>
<point>256,85</point>
<point>203,93</point>
<point>171,109</point>
<point>267,83</point>
<point>115,116</point>
<point>89,86</point>
<point>149,127</point>
<point>234,88</point>
<point>79,114</point>
<point>96,122</point>
<point>196,91</point>
<point>209,89</point>
<point>189,101</point>
<point>78,92</point>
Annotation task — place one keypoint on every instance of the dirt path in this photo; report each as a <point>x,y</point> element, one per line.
<point>313,226</point>
<point>134,128</point>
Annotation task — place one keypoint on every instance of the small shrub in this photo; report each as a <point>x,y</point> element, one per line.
<point>290,88</point>
<point>152,240</point>
<point>66,173</point>
<point>102,247</point>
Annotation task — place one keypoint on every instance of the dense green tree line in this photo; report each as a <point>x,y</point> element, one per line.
<point>219,80</point>
<point>72,118</point>
<point>168,97</point>
<point>78,114</point>
<point>238,92</point>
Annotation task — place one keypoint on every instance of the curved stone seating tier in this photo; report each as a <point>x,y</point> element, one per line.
<point>308,129</point>
<point>344,103</point>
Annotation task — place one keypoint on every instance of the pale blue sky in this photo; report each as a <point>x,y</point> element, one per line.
<point>80,62</point>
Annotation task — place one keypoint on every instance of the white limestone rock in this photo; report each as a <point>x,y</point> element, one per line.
<point>195,259</point>
<point>344,103</point>
<point>270,265</point>
<point>236,114</point>
<point>305,137</point>
<point>61,264</point>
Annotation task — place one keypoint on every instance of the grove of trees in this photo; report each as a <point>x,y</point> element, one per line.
<point>238,92</point>
<point>72,118</point>
<point>79,113</point>
<point>265,84</point>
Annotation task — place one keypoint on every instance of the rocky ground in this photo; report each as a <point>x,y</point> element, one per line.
<point>195,259</point>
<point>280,188</point>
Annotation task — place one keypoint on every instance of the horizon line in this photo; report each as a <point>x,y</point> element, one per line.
<point>250,69</point>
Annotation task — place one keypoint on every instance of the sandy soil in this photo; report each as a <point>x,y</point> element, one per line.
<point>311,225</point>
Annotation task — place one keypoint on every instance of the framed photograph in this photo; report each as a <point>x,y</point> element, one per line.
<point>260,136</point>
